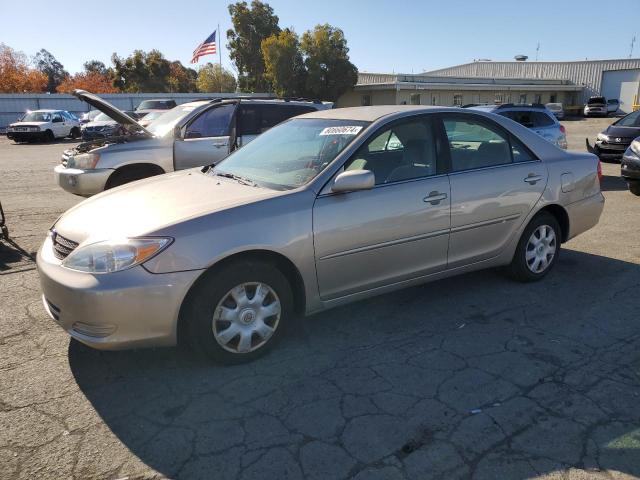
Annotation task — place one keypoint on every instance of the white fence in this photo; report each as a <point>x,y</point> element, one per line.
<point>12,106</point>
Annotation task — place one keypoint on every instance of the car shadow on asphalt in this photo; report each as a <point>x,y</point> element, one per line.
<point>469,375</point>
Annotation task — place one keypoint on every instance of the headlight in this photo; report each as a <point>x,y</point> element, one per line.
<point>603,138</point>
<point>84,161</point>
<point>34,129</point>
<point>115,255</point>
<point>635,147</point>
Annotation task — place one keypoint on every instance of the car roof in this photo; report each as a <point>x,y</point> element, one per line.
<point>371,113</point>
<point>46,110</point>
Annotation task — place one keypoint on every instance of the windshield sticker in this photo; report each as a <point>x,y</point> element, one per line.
<point>346,130</point>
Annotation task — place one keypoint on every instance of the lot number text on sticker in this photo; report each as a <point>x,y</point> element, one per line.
<point>346,130</point>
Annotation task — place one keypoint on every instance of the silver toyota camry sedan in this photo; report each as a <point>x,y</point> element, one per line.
<point>324,209</point>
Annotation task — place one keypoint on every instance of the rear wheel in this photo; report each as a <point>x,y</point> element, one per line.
<point>239,312</point>
<point>634,187</point>
<point>538,249</point>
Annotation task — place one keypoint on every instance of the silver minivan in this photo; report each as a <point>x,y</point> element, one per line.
<point>189,135</point>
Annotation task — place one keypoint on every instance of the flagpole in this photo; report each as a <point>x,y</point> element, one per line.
<point>220,54</point>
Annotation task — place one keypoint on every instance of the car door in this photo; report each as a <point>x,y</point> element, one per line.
<point>396,231</point>
<point>206,138</point>
<point>59,125</point>
<point>495,182</point>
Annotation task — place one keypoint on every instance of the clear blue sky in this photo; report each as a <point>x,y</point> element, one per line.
<point>383,36</point>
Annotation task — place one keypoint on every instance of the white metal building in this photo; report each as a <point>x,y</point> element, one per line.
<point>571,83</point>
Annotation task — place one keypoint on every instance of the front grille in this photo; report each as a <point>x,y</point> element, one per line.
<point>62,246</point>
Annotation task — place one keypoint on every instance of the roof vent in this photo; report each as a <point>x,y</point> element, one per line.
<point>521,58</point>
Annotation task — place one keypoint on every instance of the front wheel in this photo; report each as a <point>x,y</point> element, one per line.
<point>49,136</point>
<point>634,187</point>
<point>538,249</point>
<point>75,133</point>
<point>239,312</point>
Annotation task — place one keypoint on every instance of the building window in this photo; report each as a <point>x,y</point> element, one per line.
<point>523,98</point>
<point>366,100</point>
<point>537,98</point>
<point>499,98</point>
<point>552,98</point>
<point>457,100</point>
<point>415,99</point>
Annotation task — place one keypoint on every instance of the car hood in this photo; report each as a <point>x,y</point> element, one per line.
<point>616,131</point>
<point>113,112</point>
<point>144,207</point>
<point>101,123</point>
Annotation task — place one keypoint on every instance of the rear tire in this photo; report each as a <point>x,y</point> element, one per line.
<point>538,249</point>
<point>634,187</point>
<point>226,319</point>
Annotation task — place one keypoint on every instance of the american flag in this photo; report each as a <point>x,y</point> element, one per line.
<point>208,47</point>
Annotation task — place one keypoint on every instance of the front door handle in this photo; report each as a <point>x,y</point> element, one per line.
<point>219,144</point>
<point>533,179</point>
<point>434,198</point>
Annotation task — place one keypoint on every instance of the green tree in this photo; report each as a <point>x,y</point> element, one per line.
<point>46,63</point>
<point>251,25</point>
<point>181,78</point>
<point>284,66</point>
<point>329,71</point>
<point>96,66</point>
<point>142,72</point>
<point>213,78</point>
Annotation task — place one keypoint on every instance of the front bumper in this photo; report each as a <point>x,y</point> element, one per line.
<point>128,309</point>
<point>25,136</point>
<point>595,111</point>
<point>82,182</point>
<point>610,151</point>
<point>630,168</point>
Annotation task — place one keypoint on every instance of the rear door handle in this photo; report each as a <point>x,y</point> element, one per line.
<point>434,198</point>
<point>533,179</point>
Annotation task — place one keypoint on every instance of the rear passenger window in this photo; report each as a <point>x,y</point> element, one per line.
<point>404,151</point>
<point>524,118</point>
<point>520,152</point>
<point>543,120</point>
<point>256,119</point>
<point>475,144</point>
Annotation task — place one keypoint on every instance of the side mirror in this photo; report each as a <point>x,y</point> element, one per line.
<point>354,180</point>
<point>177,132</point>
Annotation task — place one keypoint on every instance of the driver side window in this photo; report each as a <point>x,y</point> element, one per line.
<point>211,123</point>
<point>403,151</point>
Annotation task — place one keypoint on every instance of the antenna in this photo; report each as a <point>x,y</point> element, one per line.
<point>537,51</point>
<point>633,41</point>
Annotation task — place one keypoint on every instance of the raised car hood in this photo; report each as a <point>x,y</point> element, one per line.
<point>144,207</point>
<point>113,112</point>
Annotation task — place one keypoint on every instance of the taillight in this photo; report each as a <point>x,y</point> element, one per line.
<point>562,129</point>
<point>599,171</point>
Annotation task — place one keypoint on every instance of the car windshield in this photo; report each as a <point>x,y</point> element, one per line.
<point>36,117</point>
<point>291,154</point>
<point>595,100</point>
<point>165,123</point>
<point>103,117</point>
<point>631,120</point>
<point>155,104</point>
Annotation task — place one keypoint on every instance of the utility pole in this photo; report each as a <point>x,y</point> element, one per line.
<point>537,51</point>
<point>633,41</point>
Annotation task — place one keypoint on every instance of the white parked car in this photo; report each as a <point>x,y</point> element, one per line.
<point>44,125</point>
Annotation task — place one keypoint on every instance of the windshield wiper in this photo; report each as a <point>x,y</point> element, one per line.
<point>237,178</point>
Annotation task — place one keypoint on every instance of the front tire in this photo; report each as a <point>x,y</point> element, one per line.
<point>634,187</point>
<point>238,313</point>
<point>538,249</point>
<point>49,136</point>
<point>75,133</point>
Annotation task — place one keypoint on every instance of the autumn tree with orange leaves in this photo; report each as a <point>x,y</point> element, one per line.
<point>93,82</point>
<point>16,76</point>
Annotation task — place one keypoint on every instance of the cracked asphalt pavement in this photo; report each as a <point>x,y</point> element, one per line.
<point>471,377</point>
